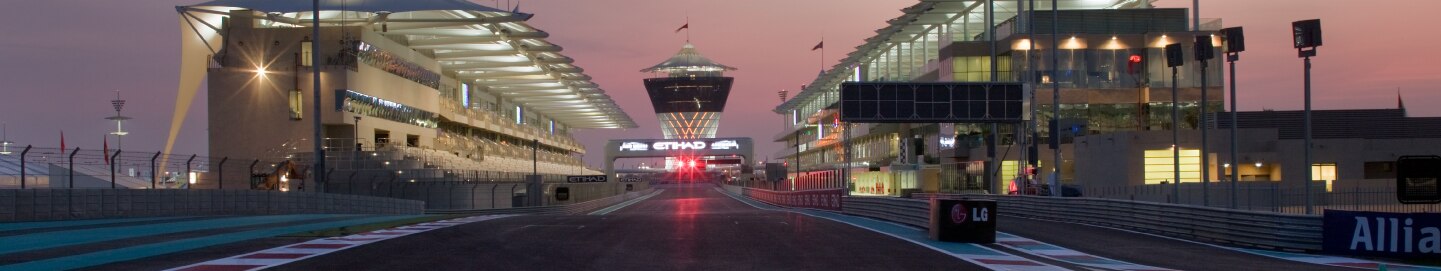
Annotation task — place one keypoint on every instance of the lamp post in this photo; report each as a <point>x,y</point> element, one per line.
<point>357,134</point>
<point>119,132</point>
<point>5,140</point>
<point>1204,52</point>
<point>1307,36</point>
<point>1174,59</point>
<point>1235,43</point>
<point>1055,97</point>
<point>315,97</point>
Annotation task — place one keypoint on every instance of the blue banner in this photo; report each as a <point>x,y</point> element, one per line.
<point>1393,235</point>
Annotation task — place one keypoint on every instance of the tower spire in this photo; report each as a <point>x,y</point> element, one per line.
<point>1399,103</point>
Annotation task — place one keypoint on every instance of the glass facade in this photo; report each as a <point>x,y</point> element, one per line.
<point>356,102</point>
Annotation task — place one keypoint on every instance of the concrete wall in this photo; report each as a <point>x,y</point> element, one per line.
<point>66,204</point>
<point>482,195</point>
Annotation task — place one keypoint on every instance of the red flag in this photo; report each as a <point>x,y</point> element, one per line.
<point>819,46</point>
<point>682,27</point>
<point>106,150</point>
<point>62,141</point>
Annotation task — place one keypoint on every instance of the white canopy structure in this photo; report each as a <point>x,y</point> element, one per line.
<point>475,44</point>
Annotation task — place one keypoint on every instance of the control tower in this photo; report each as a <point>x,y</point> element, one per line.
<point>688,92</point>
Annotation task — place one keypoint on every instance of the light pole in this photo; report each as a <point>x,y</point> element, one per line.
<point>1307,36</point>
<point>1235,43</point>
<point>119,132</point>
<point>1204,51</point>
<point>1174,59</point>
<point>357,134</point>
<point>319,168</point>
<point>1055,98</point>
<point>5,140</point>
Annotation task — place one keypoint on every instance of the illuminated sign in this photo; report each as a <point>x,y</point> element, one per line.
<point>948,142</point>
<point>725,145</point>
<point>678,145</point>
<point>586,179</point>
<point>634,146</point>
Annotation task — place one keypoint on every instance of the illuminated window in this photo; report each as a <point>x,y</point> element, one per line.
<point>1160,166</point>
<point>296,103</point>
<point>305,54</point>
<point>465,95</point>
<point>1008,172</point>
<point>978,68</point>
<point>1324,172</point>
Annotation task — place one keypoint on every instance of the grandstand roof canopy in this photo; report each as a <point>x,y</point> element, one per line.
<point>478,44</point>
<point>925,15</point>
<point>688,59</point>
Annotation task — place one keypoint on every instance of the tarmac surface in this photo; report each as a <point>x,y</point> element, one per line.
<point>1145,249</point>
<point>683,228</point>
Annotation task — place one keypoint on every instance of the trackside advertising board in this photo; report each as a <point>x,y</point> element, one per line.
<point>1392,235</point>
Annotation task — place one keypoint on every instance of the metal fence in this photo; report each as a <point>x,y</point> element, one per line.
<point>1352,195</point>
<point>31,168</point>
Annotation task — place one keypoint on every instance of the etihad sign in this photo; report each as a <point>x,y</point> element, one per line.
<point>680,145</point>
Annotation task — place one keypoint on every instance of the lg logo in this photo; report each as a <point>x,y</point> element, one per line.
<point>959,214</point>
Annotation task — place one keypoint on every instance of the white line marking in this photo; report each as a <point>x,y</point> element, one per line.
<point>971,258</point>
<point>290,253</point>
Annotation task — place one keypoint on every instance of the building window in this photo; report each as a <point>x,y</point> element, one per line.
<point>306,56</point>
<point>465,95</point>
<point>1380,170</point>
<point>1324,172</point>
<point>1008,171</point>
<point>297,101</point>
<point>978,68</point>
<point>1160,166</point>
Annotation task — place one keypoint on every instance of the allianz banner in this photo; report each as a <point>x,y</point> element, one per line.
<point>1395,235</point>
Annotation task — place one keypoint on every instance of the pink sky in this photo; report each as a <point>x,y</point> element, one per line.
<point>61,67</point>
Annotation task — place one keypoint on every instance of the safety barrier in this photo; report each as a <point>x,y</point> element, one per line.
<point>550,210</point>
<point>905,211</point>
<point>65,204</point>
<point>1248,228</point>
<point>826,199</point>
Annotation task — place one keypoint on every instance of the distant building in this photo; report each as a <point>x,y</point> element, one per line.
<point>688,93</point>
<point>1115,109</point>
